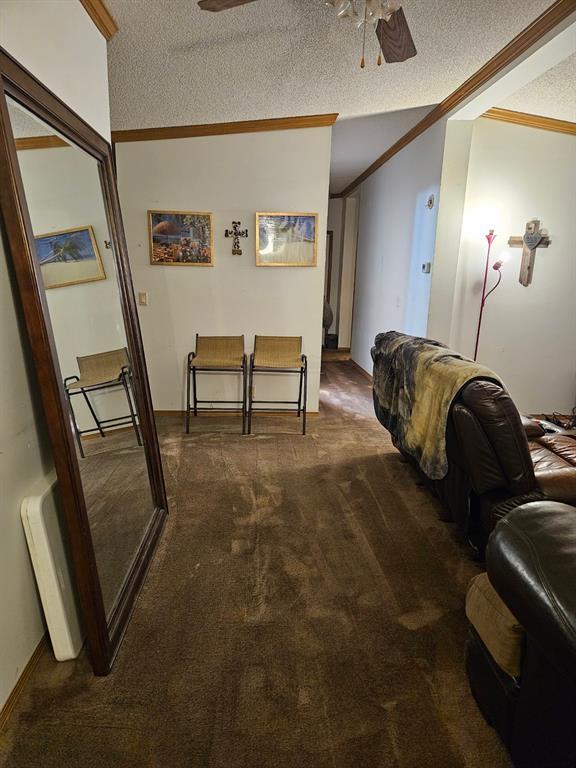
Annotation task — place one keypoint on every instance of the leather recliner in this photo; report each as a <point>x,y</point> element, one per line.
<point>531,567</point>
<point>498,460</point>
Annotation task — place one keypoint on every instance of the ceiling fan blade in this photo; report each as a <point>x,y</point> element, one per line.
<point>221,5</point>
<point>395,38</point>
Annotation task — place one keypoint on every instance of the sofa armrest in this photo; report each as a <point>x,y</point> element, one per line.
<point>531,562</point>
<point>558,484</point>
<point>532,428</point>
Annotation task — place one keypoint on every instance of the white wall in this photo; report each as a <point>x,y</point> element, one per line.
<point>63,191</point>
<point>59,43</point>
<point>233,176</point>
<point>77,72</point>
<point>449,229</point>
<point>25,457</point>
<point>516,174</point>
<point>396,234</point>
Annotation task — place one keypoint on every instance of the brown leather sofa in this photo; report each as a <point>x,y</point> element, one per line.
<point>521,655</point>
<point>498,460</point>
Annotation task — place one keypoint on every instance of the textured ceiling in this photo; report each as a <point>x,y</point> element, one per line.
<point>357,142</point>
<point>553,94</point>
<point>24,124</point>
<point>172,64</point>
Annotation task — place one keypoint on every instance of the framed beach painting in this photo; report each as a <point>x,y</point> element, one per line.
<point>181,238</point>
<point>286,239</point>
<point>69,257</point>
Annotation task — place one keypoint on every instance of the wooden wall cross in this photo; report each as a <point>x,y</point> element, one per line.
<point>533,238</point>
<point>236,233</point>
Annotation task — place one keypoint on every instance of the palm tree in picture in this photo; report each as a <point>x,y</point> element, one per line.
<point>66,250</point>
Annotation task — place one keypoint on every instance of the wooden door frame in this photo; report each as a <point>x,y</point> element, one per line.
<point>328,269</point>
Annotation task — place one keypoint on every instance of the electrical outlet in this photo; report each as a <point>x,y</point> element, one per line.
<point>143,298</point>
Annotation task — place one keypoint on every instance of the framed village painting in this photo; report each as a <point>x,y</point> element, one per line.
<point>69,257</point>
<point>286,239</point>
<point>181,238</point>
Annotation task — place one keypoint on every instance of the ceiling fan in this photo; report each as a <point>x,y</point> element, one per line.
<point>395,42</point>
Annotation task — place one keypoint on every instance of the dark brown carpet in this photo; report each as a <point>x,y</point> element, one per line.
<point>305,610</point>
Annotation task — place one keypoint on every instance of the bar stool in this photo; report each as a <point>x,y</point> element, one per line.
<point>216,354</point>
<point>103,370</point>
<point>279,354</point>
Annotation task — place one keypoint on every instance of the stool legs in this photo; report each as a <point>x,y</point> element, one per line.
<point>244,372</point>
<point>127,389</point>
<point>192,389</point>
<point>75,425</point>
<point>304,375</point>
<point>93,412</point>
<point>188,364</point>
<point>302,390</point>
<point>250,393</point>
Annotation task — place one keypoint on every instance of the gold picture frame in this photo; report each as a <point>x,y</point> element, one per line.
<point>297,234</point>
<point>180,239</point>
<point>74,251</point>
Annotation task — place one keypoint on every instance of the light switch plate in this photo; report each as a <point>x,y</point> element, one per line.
<point>143,298</point>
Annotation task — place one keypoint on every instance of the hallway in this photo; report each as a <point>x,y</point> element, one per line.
<point>304,610</point>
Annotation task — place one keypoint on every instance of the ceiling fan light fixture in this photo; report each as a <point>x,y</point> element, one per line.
<point>345,9</point>
<point>387,17</point>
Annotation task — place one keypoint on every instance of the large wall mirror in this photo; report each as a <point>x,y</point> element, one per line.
<point>62,228</point>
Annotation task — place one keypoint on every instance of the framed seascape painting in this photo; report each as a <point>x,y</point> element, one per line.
<point>69,257</point>
<point>286,239</point>
<point>181,238</point>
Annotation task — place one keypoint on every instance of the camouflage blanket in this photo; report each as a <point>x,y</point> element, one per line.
<point>415,383</point>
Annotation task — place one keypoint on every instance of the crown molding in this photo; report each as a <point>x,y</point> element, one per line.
<point>220,129</point>
<point>531,121</point>
<point>101,16</point>
<point>552,16</point>
<point>40,142</point>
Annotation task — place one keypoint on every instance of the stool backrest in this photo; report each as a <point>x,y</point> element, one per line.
<point>221,347</point>
<point>278,351</point>
<point>103,366</point>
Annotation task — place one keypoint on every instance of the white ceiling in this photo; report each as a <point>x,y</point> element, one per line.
<point>357,142</point>
<point>172,64</point>
<point>24,124</point>
<point>553,94</point>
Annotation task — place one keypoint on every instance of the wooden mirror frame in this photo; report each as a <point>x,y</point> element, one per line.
<point>104,635</point>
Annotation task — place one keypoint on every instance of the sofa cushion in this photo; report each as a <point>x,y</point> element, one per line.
<point>564,446</point>
<point>554,459</point>
<point>502,635</point>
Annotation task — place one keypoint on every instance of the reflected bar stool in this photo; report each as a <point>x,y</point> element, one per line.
<point>279,354</point>
<point>216,354</point>
<point>103,370</point>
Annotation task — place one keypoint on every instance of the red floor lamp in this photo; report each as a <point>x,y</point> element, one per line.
<point>490,237</point>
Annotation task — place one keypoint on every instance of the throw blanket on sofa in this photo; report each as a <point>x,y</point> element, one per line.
<point>415,383</point>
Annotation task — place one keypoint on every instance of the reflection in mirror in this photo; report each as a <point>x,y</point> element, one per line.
<point>73,245</point>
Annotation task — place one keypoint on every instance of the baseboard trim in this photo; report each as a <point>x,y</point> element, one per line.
<point>12,699</point>
<point>361,370</point>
